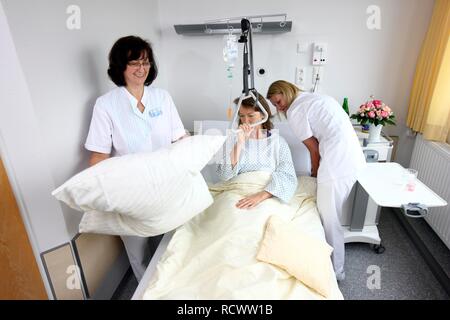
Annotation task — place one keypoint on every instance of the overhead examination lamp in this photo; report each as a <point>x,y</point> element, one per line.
<point>247,71</point>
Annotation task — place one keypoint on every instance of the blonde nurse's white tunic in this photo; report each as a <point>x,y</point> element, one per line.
<point>322,117</point>
<point>341,157</point>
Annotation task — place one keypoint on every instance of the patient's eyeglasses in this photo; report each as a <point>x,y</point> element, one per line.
<point>137,64</point>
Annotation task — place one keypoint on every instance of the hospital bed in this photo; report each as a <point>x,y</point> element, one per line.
<point>302,165</point>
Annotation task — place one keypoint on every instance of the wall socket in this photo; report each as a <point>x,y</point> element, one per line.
<point>320,54</point>
<point>300,75</point>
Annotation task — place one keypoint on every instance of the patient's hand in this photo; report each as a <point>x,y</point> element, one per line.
<point>253,200</point>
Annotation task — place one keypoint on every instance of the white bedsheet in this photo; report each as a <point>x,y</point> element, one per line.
<point>213,256</point>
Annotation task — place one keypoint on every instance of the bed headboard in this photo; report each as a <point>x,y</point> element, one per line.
<point>300,154</point>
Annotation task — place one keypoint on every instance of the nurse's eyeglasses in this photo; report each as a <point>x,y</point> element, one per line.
<point>137,64</point>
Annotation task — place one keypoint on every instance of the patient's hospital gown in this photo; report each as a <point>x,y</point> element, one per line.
<point>269,154</point>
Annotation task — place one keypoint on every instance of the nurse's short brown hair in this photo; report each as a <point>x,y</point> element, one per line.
<point>127,49</point>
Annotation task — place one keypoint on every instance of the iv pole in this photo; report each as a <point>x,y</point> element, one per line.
<point>247,71</point>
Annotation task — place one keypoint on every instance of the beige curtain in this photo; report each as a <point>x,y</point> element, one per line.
<point>429,107</point>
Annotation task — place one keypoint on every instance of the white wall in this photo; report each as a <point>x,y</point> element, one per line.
<point>361,62</point>
<point>65,71</point>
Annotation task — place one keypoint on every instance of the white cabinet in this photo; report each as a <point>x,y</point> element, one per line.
<point>378,151</point>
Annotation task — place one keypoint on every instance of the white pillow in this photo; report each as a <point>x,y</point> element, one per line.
<point>301,255</point>
<point>143,194</point>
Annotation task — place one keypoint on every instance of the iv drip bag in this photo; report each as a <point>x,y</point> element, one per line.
<point>230,49</point>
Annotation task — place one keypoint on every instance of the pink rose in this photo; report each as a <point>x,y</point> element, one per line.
<point>371,114</point>
<point>377,103</point>
<point>384,114</point>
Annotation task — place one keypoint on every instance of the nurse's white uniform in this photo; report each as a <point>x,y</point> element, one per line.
<point>119,128</point>
<point>341,157</point>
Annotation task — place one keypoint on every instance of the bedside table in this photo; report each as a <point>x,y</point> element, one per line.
<point>380,185</point>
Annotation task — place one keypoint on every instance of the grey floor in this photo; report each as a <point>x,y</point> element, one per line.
<point>403,272</point>
<point>404,275</point>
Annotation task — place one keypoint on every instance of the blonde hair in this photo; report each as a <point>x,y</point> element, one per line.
<point>287,89</point>
<point>251,103</point>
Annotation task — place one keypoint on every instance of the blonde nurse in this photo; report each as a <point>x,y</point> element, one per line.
<point>336,156</point>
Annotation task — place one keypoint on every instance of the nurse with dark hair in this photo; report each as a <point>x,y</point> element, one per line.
<point>133,117</point>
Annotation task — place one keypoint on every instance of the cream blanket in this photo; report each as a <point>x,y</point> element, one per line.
<point>213,256</point>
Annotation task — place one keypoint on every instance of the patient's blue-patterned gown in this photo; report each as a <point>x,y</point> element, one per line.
<point>268,154</point>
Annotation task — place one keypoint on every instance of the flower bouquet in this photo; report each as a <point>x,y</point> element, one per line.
<point>376,114</point>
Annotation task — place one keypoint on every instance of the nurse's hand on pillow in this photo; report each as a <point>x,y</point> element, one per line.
<point>97,157</point>
<point>187,134</point>
<point>253,200</point>
<point>244,133</point>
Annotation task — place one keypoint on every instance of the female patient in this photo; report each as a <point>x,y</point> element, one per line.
<point>259,149</point>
